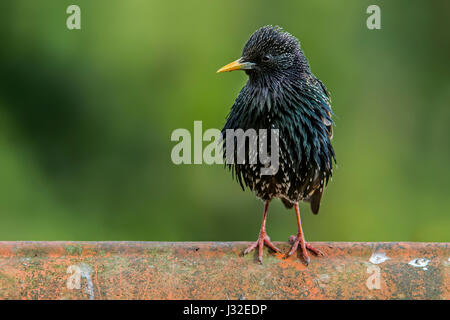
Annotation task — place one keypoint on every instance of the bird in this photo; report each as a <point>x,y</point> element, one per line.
<point>282,93</point>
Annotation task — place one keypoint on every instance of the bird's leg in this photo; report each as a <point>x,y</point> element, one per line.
<point>263,238</point>
<point>300,239</point>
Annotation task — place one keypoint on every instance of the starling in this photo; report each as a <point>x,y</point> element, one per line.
<point>281,93</point>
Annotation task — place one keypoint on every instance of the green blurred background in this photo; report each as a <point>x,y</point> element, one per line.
<point>86,118</point>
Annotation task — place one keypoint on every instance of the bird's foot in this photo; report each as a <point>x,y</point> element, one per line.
<point>263,239</point>
<point>304,246</point>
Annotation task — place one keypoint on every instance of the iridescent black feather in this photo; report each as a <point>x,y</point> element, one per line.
<point>283,94</point>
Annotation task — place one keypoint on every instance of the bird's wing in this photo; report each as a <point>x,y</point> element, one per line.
<point>327,122</point>
<point>315,195</point>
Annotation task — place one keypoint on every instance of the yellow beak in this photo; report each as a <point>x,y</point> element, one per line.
<point>236,65</point>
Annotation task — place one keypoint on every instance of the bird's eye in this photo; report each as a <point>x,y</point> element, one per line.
<point>266,58</point>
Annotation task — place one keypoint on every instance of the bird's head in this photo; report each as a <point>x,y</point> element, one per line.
<point>269,51</point>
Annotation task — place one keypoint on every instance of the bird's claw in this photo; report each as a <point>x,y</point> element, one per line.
<point>263,239</point>
<point>316,251</point>
<point>304,246</point>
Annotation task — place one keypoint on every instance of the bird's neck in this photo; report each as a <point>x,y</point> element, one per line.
<point>276,79</point>
<point>278,92</point>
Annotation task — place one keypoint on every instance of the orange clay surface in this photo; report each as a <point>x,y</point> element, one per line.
<point>217,270</point>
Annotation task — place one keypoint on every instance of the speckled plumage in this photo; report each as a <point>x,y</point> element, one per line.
<point>283,94</point>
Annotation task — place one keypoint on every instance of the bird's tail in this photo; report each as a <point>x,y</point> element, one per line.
<point>314,201</point>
